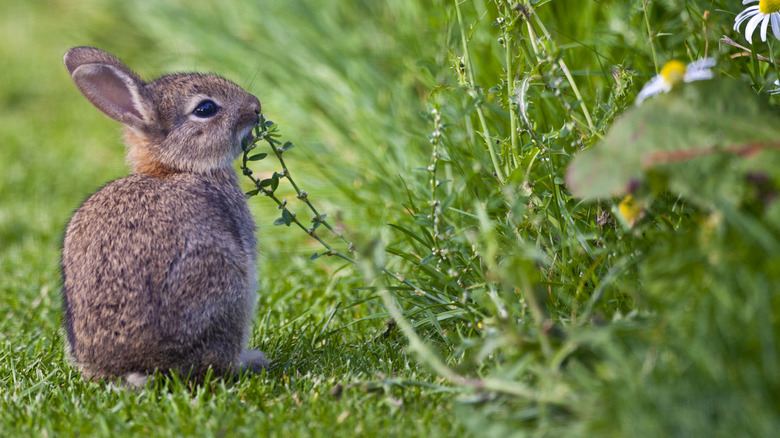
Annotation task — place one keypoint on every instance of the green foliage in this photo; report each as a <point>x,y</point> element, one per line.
<point>568,320</point>
<point>682,137</point>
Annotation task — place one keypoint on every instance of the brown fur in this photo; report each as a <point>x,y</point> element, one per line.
<point>141,158</point>
<point>159,268</point>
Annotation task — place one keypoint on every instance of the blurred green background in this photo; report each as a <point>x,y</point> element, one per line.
<point>304,61</point>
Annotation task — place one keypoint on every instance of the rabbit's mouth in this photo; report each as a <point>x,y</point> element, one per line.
<point>245,135</point>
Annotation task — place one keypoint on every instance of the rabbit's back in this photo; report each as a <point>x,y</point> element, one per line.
<point>159,268</point>
<point>160,273</point>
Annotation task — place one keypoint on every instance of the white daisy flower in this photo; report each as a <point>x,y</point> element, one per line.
<point>776,90</point>
<point>767,11</point>
<point>674,72</point>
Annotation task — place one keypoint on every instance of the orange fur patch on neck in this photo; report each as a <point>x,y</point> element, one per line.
<point>141,157</point>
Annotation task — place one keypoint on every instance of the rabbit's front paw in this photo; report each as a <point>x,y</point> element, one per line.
<point>254,361</point>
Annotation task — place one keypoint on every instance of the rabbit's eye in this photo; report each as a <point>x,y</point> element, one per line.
<point>206,109</point>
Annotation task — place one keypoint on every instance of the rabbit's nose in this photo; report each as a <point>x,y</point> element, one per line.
<point>254,104</point>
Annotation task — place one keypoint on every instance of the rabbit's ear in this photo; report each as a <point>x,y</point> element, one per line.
<point>110,86</point>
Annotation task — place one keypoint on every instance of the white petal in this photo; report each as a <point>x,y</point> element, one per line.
<point>697,75</point>
<point>776,25</point>
<point>744,15</point>
<point>751,26</point>
<point>764,24</point>
<point>776,90</point>
<point>701,64</point>
<point>744,2</point>
<point>654,86</point>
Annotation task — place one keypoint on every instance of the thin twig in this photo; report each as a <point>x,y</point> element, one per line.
<point>746,52</point>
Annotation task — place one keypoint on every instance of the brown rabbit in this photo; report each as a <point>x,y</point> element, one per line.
<point>159,268</point>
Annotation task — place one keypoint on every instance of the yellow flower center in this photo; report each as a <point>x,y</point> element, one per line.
<point>631,210</point>
<point>769,6</point>
<point>674,71</point>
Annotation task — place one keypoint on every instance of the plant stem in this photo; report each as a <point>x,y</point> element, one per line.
<point>510,89</point>
<point>428,357</point>
<point>262,133</point>
<point>562,65</point>
<point>472,84</point>
<point>300,194</point>
<point>650,35</point>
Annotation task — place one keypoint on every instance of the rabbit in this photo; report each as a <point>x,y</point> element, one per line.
<point>159,268</point>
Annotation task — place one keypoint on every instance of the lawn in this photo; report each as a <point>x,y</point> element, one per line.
<point>534,254</point>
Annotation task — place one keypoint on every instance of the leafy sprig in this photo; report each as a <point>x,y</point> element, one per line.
<point>268,131</point>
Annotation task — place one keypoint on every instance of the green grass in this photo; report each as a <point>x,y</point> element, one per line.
<point>57,150</point>
<point>523,310</point>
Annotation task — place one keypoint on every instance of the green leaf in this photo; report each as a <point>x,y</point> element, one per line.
<point>423,222</point>
<point>438,89</point>
<point>257,157</point>
<point>410,234</point>
<point>315,256</point>
<point>279,221</point>
<point>274,181</point>
<point>287,146</point>
<point>286,217</point>
<point>520,97</point>
<point>266,182</point>
<point>252,192</point>
<point>695,137</point>
<point>447,203</point>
